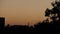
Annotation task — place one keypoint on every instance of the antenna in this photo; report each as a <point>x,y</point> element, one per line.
<point>28,24</point>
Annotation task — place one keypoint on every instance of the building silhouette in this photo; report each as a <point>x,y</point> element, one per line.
<point>2,23</point>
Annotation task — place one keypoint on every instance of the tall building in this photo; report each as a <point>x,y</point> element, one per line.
<point>2,23</point>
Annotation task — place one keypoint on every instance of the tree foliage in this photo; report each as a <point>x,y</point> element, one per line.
<point>54,13</point>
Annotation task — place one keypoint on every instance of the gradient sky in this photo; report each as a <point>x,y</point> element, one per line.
<point>22,12</point>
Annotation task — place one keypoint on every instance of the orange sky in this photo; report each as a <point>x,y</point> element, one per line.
<point>20,12</point>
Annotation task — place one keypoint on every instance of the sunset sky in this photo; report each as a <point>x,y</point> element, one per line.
<point>22,12</point>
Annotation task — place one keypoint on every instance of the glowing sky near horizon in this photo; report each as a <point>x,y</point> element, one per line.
<point>20,12</point>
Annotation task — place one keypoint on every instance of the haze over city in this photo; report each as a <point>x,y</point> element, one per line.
<point>22,12</point>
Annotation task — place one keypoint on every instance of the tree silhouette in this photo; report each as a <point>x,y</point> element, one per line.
<point>54,13</point>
